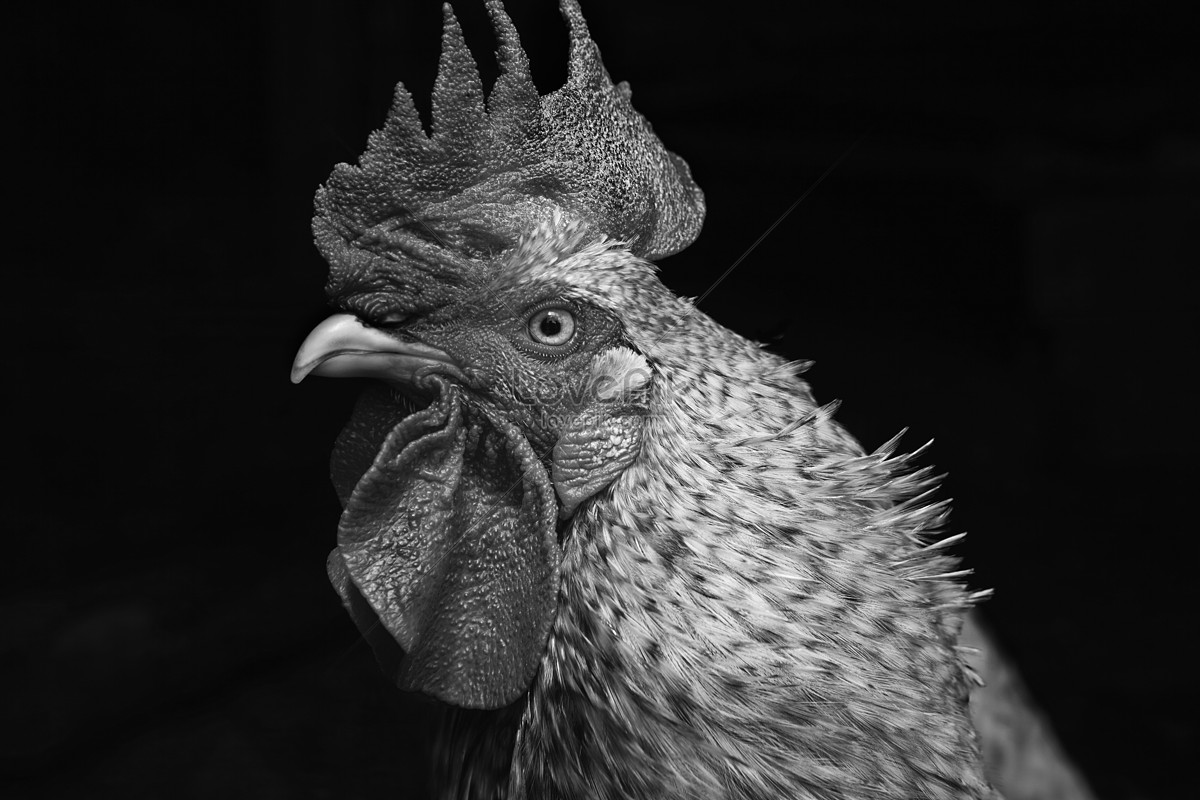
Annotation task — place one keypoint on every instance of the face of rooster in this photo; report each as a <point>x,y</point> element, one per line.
<point>484,275</point>
<point>504,410</point>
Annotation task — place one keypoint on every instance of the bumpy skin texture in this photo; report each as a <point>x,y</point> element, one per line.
<point>735,602</point>
<point>451,530</point>
<point>417,212</point>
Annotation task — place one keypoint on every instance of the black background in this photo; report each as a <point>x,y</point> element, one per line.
<point>1003,260</point>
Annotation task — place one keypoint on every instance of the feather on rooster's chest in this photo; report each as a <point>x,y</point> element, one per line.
<point>736,619</point>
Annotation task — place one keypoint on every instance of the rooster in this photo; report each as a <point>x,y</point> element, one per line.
<point>622,548</point>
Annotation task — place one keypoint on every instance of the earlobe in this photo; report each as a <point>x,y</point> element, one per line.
<point>606,436</point>
<point>589,457</point>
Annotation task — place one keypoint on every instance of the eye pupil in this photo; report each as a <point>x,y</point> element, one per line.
<point>551,325</point>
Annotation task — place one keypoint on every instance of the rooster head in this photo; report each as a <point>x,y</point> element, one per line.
<point>482,275</point>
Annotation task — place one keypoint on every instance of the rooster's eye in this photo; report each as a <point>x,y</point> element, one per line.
<point>552,326</point>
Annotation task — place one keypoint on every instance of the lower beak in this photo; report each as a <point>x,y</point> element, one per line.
<point>343,346</point>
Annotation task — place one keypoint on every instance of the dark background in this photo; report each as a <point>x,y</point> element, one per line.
<point>1005,262</point>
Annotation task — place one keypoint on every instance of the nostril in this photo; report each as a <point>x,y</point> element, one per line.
<point>393,319</point>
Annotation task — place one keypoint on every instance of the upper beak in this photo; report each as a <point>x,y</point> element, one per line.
<point>343,346</point>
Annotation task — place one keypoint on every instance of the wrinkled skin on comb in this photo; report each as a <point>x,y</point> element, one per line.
<point>419,211</point>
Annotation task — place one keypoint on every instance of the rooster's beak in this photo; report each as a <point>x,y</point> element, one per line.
<point>344,346</point>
